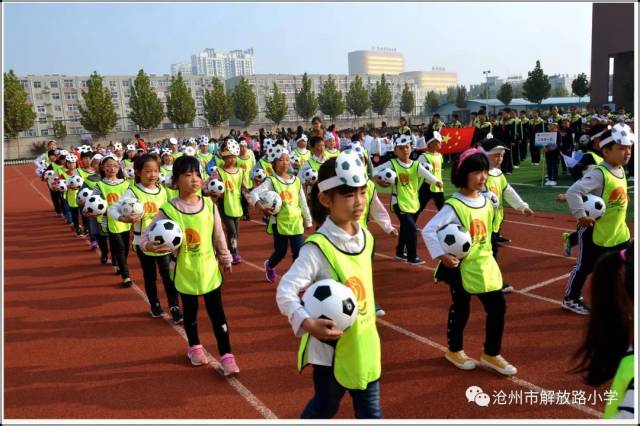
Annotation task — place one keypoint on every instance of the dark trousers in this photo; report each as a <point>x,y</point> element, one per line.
<point>523,149</point>
<point>494,306</point>
<point>75,217</point>
<point>86,225</point>
<point>103,244</point>
<point>507,163</point>
<point>119,243</point>
<point>213,304</point>
<point>148,264</point>
<point>231,229</point>
<point>588,255</point>
<point>280,246</point>
<point>329,393</point>
<point>245,208</point>
<point>551,158</point>
<point>56,200</point>
<point>425,194</point>
<point>515,152</point>
<point>66,210</point>
<point>535,152</point>
<point>494,244</point>
<point>408,237</point>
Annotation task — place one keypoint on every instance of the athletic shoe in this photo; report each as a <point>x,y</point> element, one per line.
<point>116,270</point>
<point>156,310</point>
<point>379,311</point>
<point>229,365</point>
<point>498,363</point>
<point>236,259</point>
<point>536,164</point>
<point>176,315</point>
<point>196,355</point>
<point>516,167</point>
<point>126,282</point>
<point>94,245</point>
<point>506,287</point>
<point>551,183</point>
<point>270,272</point>
<point>402,257</point>
<point>503,239</point>
<point>576,306</point>
<point>103,260</point>
<point>460,360</point>
<point>566,243</point>
<point>415,262</point>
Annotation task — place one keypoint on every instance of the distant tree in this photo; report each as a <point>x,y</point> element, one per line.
<point>461,97</point>
<point>381,96</point>
<point>560,91</point>
<point>537,87</point>
<point>431,102</point>
<point>18,112</point>
<point>245,106</point>
<point>306,101</point>
<point>407,100</point>
<point>580,86</point>
<point>218,106</point>
<point>181,107</point>
<point>146,109</point>
<point>330,99</point>
<point>276,106</point>
<point>357,98</point>
<point>59,129</point>
<point>505,93</point>
<point>451,94</point>
<point>99,115</point>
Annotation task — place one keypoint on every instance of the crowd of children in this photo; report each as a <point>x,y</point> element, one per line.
<point>327,180</point>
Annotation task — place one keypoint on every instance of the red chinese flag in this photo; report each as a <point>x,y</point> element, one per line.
<point>455,140</point>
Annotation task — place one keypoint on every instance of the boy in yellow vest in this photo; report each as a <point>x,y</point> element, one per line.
<point>433,159</point>
<point>610,232</point>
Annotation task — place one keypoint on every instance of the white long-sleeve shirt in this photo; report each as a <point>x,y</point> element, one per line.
<point>266,185</point>
<point>591,183</point>
<point>510,195</point>
<point>312,266</point>
<point>445,216</point>
<point>379,214</point>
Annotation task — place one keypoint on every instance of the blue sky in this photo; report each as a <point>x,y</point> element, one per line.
<point>120,38</point>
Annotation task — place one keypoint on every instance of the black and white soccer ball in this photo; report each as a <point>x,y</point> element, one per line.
<point>190,151</point>
<point>294,160</point>
<point>594,206</point>
<point>61,185</point>
<point>310,176</point>
<point>329,299</point>
<point>94,206</point>
<point>215,187</point>
<point>75,182</point>
<point>258,174</point>
<point>455,240</point>
<point>386,175</point>
<point>49,174</point>
<point>83,194</point>
<point>40,171</point>
<point>270,200</point>
<point>211,167</point>
<point>166,232</point>
<point>129,172</point>
<point>130,206</point>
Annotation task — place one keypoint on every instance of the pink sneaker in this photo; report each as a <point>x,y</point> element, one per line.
<point>270,272</point>
<point>94,245</point>
<point>229,365</point>
<point>236,259</point>
<point>196,355</point>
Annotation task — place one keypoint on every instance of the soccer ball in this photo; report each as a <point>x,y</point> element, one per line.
<point>294,160</point>
<point>190,151</point>
<point>386,176</point>
<point>493,198</point>
<point>40,171</point>
<point>594,206</point>
<point>424,163</point>
<point>75,182</point>
<point>61,185</point>
<point>83,195</point>
<point>455,240</point>
<point>165,178</point>
<point>215,187</point>
<point>129,172</point>
<point>166,232</point>
<point>329,299</point>
<point>49,174</point>
<point>130,207</point>
<point>95,205</point>
<point>258,174</point>
<point>211,168</point>
<point>310,176</point>
<point>270,200</point>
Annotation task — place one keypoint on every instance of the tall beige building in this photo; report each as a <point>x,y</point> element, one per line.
<point>376,62</point>
<point>437,80</point>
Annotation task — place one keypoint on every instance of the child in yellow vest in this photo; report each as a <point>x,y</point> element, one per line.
<point>112,186</point>
<point>330,150</point>
<point>287,225</point>
<point>246,161</point>
<point>610,232</point>
<point>148,192</point>
<point>434,161</point>
<point>197,272</point>
<point>69,196</point>
<point>341,250</point>
<point>404,198</point>
<point>477,273</point>
<point>229,203</point>
<point>607,351</point>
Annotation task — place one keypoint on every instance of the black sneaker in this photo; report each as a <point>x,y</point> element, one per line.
<point>506,287</point>
<point>416,261</point>
<point>402,257</point>
<point>156,310</point>
<point>104,260</point>
<point>576,305</point>
<point>126,282</point>
<point>176,315</point>
<point>503,240</point>
<point>379,311</point>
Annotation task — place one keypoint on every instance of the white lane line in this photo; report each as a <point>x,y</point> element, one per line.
<point>535,296</point>
<point>546,253</point>
<point>540,226</point>
<point>34,187</point>
<point>258,405</point>
<point>516,380</point>
<point>543,283</point>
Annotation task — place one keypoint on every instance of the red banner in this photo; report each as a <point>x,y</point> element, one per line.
<point>456,140</point>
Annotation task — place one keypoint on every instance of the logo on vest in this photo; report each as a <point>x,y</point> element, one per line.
<point>150,207</point>
<point>618,197</point>
<point>357,287</point>
<point>192,239</point>
<point>112,197</point>
<point>404,178</point>
<point>269,171</point>
<point>478,231</point>
<point>286,197</point>
<point>494,190</point>
<point>228,185</point>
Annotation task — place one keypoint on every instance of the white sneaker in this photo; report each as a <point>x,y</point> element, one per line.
<point>552,183</point>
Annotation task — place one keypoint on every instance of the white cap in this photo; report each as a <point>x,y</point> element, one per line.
<point>97,157</point>
<point>173,141</point>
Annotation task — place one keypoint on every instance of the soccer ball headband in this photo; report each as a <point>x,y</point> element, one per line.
<point>350,171</point>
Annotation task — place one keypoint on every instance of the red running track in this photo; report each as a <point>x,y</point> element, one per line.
<point>79,347</point>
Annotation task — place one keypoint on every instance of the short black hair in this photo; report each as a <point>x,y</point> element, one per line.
<point>185,164</point>
<point>313,140</point>
<point>327,170</point>
<point>51,152</point>
<point>481,112</point>
<point>86,154</point>
<point>436,115</point>
<point>140,161</point>
<point>474,163</point>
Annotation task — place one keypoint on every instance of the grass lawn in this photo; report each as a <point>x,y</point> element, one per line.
<point>527,181</point>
